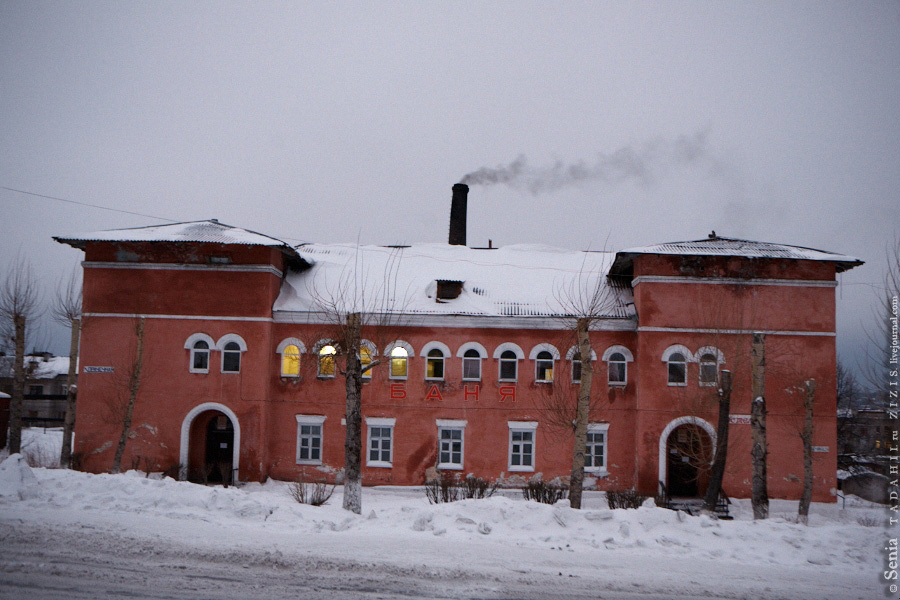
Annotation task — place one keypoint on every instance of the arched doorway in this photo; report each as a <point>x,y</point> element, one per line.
<point>210,445</point>
<point>688,454</point>
<point>686,449</point>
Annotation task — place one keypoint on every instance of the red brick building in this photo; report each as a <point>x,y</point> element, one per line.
<point>241,373</point>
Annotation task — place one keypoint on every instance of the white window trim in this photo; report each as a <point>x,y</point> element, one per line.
<point>720,360</point>
<point>452,424</point>
<point>604,429</point>
<point>280,351</point>
<point>311,420</point>
<point>571,353</point>
<point>379,422</point>
<point>482,354</point>
<point>445,351</point>
<point>688,358</point>
<point>554,356</point>
<point>519,356</point>
<point>625,352</point>
<point>525,426</point>
<point>409,354</point>
<point>231,337</point>
<point>189,345</point>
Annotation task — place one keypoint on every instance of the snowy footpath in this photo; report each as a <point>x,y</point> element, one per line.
<point>67,534</point>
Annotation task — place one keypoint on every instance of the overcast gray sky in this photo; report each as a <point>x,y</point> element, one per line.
<point>338,121</point>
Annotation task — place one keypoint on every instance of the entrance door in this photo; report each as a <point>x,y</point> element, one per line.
<point>219,449</point>
<point>689,452</point>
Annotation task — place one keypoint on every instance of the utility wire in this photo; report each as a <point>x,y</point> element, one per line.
<point>118,210</point>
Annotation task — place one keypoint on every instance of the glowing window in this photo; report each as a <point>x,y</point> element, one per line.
<point>543,365</point>
<point>290,361</point>
<point>399,363</point>
<point>326,361</point>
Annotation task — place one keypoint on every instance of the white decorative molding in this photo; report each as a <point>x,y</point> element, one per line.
<point>731,281</point>
<point>542,348</point>
<point>622,349</point>
<point>735,331</point>
<point>664,439</point>
<point>179,317</point>
<point>184,451</point>
<point>183,267</point>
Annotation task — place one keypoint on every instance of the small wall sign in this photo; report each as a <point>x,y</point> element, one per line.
<point>99,370</point>
<point>739,419</point>
<point>820,448</point>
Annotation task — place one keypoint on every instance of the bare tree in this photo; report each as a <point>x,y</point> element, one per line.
<point>878,353</point>
<point>66,310</point>
<point>357,301</point>
<point>585,299</point>
<point>19,306</point>
<point>134,383</point>
<point>759,451</point>
<point>717,474</point>
<point>807,437</point>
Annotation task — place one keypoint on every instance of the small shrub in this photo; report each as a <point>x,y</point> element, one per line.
<point>545,492</point>
<point>624,499</point>
<point>38,456</point>
<point>315,494</point>
<point>477,488</point>
<point>447,487</point>
<point>868,521</point>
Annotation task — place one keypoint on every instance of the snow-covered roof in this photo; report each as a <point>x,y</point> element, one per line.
<point>721,246</point>
<point>519,280</point>
<point>192,231</point>
<point>37,367</point>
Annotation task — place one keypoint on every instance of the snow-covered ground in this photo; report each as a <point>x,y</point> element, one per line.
<point>67,534</point>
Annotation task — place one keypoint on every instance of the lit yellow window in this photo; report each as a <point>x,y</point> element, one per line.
<point>290,361</point>
<point>326,361</point>
<point>365,358</point>
<point>399,357</point>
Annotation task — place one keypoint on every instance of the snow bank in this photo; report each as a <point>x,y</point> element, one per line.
<point>17,481</point>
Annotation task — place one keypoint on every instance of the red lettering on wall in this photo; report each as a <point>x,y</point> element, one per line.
<point>507,392</point>
<point>434,394</point>
<point>472,392</point>
<point>398,391</point>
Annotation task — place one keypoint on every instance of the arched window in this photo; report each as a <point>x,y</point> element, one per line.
<point>676,358</point>
<point>543,367</point>
<point>290,350</point>
<point>617,369</point>
<point>290,361</point>
<point>434,364</point>
<point>366,352</point>
<point>200,357</point>
<point>399,363</point>
<point>435,353</point>
<point>509,365</point>
<point>574,356</point>
<point>327,355</point>
<point>231,345</point>
<point>471,365</point>
<point>231,358</point>
<point>472,354</point>
<point>709,369</point>
<point>617,359</point>
<point>200,346</point>
<point>543,356</point>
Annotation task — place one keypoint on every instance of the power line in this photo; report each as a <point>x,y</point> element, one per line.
<point>118,210</point>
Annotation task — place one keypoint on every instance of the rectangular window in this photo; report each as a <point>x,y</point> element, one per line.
<point>508,368</point>
<point>617,371</point>
<point>595,449</point>
<point>35,390</point>
<point>677,373</point>
<point>380,445</point>
<point>521,445</point>
<point>451,437</point>
<point>309,439</point>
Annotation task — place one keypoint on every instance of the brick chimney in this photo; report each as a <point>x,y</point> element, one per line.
<point>458,215</point>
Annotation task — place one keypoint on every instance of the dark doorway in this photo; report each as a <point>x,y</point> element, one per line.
<point>689,453</point>
<point>217,464</point>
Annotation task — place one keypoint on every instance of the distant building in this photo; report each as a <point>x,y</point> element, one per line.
<point>865,439</point>
<point>46,386</point>
<point>241,373</point>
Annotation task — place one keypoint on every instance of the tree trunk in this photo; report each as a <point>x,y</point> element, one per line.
<point>353,440</point>
<point>65,455</point>
<point>17,403</point>
<point>759,452</point>
<point>718,468</point>
<point>806,436</point>
<point>582,414</point>
<point>133,385</point>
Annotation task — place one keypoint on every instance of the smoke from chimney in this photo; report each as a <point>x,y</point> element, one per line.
<point>626,164</point>
<point>458,215</point>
